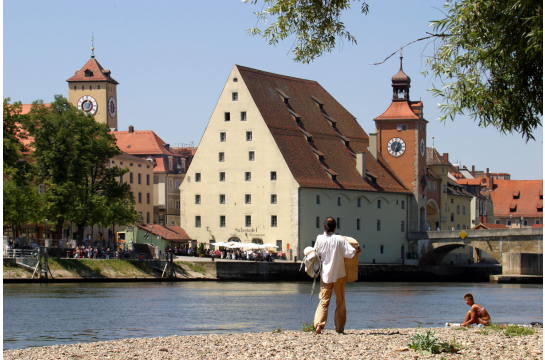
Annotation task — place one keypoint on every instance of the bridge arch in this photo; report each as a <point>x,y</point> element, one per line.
<point>435,256</point>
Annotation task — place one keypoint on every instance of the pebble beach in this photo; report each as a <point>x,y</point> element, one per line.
<point>355,344</point>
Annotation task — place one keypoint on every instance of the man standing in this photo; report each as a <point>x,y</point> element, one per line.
<point>332,249</point>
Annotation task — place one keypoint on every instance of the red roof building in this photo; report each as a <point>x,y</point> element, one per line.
<point>518,202</point>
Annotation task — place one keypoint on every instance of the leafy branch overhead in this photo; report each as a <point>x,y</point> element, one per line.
<point>315,23</point>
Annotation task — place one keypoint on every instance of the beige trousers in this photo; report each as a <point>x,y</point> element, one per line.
<point>326,290</point>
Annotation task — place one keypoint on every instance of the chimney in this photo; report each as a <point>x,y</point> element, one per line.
<point>360,163</point>
<point>487,172</point>
<point>166,146</point>
<point>445,157</point>
<point>473,170</point>
<point>373,144</point>
<point>131,129</point>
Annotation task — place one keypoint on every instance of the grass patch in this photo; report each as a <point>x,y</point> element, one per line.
<point>427,344</point>
<point>179,268</point>
<point>87,267</point>
<point>308,327</point>
<point>194,267</point>
<point>464,328</point>
<point>515,330</point>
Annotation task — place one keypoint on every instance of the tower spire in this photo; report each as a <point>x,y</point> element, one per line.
<point>92,46</point>
<point>401,59</point>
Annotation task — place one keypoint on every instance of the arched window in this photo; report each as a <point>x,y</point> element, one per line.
<point>457,209</point>
<point>457,226</point>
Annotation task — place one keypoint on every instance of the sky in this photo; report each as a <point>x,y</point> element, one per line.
<point>172,60</point>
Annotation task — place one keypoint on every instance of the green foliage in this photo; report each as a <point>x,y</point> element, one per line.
<point>200,251</point>
<point>308,327</point>
<point>315,23</point>
<point>194,267</point>
<point>12,133</point>
<point>515,330</point>
<point>489,62</point>
<point>277,331</point>
<point>428,344</point>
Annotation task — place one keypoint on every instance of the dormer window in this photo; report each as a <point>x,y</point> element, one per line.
<point>516,194</point>
<point>284,96</point>
<point>88,73</point>
<point>318,102</point>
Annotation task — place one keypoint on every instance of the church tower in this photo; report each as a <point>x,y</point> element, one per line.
<point>401,139</point>
<point>94,91</point>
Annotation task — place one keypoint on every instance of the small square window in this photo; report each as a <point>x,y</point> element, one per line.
<point>243,116</point>
<point>235,96</point>
<point>227,116</point>
<point>251,155</point>
<point>221,156</point>
<point>222,220</point>
<point>273,175</point>
<point>248,176</point>
<point>222,176</point>
<point>197,221</point>
<point>248,221</point>
<point>273,199</point>
<point>274,221</point>
<point>248,136</point>
<point>223,136</point>
<point>197,177</point>
<point>222,198</point>
<point>130,164</point>
<point>197,199</point>
<point>248,199</point>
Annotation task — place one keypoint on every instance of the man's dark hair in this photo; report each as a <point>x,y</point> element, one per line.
<point>330,225</point>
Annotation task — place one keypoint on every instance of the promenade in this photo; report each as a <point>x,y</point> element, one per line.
<point>474,343</point>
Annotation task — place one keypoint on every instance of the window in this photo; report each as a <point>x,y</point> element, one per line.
<point>403,226</point>
<point>444,188</point>
<point>178,182</point>
<point>171,204</point>
<point>429,185</point>
<point>222,176</point>
<point>170,184</point>
<point>227,116</point>
<point>508,222</point>
<point>452,200</point>
<point>338,201</point>
<point>318,199</point>
<point>221,156</point>
<point>177,204</point>
<point>279,245</point>
<point>317,222</point>
<point>140,198</point>
<point>121,179</point>
<point>434,187</point>
<point>130,178</point>
<point>525,222</point>
<point>148,198</point>
<point>382,249</point>
<point>338,223</point>
<point>537,222</point>
<point>41,189</point>
<point>452,217</point>
<point>248,199</point>
<point>139,178</point>
<point>273,175</point>
<point>248,176</point>
<point>379,204</point>
<point>148,218</point>
<point>359,202</point>
<point>446,207</point>
<point>197,199</point>
<point>251,155</point>
<point>248,220</point>
<point>147,179</point>
<point>403,204</point>
<point>248,136</point>
<point>197,221</point>
<point>273,199</point>
<point>222,198</point>
<point>457,209</point>
<point>357,224</point>
<point>223,136</point>
<point>235,96</point>
<point>197,177</point>
<point>170,166</point>
<point>243,116</point>
<point>222,220</point>
<point>457,226</point>
<point>463,210</point>
<point>274,221</point>
<point>378,225</point>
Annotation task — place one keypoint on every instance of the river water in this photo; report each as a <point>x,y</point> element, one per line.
<point>51,314</point>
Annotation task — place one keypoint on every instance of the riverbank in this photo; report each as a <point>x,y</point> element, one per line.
<point>473,343</point>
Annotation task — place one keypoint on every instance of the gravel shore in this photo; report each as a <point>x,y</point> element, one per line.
<point>356,344</point>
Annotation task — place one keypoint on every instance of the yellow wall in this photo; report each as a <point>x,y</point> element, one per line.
<point>101,96</point>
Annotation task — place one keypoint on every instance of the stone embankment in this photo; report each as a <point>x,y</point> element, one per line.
<point>356,344</point>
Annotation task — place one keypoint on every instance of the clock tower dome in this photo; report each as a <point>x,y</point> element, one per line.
<point>94,91</point>
<point>401,139</point>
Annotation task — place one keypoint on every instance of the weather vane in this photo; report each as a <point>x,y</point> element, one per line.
<point>92,45</point>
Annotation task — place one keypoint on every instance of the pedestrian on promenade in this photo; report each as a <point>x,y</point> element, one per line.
<point>477,314</point>
<point>332,250</point>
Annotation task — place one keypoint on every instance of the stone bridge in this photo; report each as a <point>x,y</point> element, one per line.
<point>432,246</point>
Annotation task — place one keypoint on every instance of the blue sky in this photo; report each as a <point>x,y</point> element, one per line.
<point>172,59</point>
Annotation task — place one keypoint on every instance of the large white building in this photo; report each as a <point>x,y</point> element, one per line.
<point>278,156</point>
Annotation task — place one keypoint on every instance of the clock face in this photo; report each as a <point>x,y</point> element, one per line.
<point>88,104</point>
<point>422,147</point>
<point>396,147</point>
<point>111,106</point>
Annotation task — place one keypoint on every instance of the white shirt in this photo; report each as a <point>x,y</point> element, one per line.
<point>333,249</point>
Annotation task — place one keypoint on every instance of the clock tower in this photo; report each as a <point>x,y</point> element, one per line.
<point>94,91</point>
<point>401,139</point>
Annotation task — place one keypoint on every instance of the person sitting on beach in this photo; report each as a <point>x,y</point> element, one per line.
<point>477,314</point>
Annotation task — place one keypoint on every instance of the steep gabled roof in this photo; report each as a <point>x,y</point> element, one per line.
<point>98,73</point>
<point>167,232</point>
<point>334,132</point>
<point>521,196</point>
<point>489,226</point>
<point>434,158</point>
<point>141,142</point>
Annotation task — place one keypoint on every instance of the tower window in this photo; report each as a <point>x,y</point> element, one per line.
<point>88,73</point>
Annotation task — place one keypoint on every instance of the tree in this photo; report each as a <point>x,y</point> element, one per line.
<point>12,133</point>
<point>488,60</point>
<point>315,23</point>
<point>490,63</point>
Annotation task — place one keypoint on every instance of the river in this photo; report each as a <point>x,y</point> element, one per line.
<point>51,314</point>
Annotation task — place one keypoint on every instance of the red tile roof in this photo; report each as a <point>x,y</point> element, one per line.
<point>489,226</point>
<point>476,182</point>
<point>399,110</point>
<point>99,74</point>
<point>318,110</point>
<point>141,142</point>
<point>434,158</point>
<point>527,203</point>
<point>167,232</point>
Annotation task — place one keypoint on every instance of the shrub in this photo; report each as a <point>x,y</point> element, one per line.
<point>308,327</point>
<point>428,344</point>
